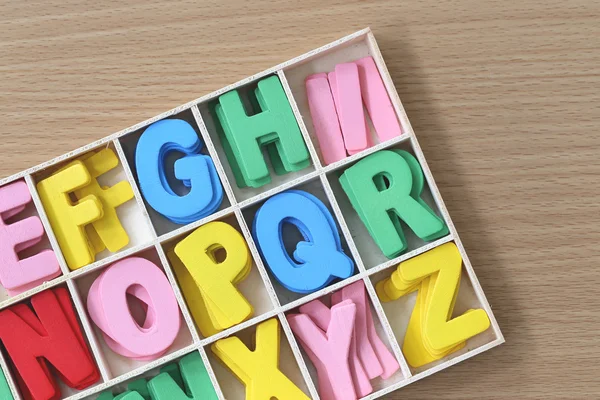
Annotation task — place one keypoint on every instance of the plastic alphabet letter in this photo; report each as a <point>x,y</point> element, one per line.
<point>196,382</point>
<point>19,275</point>
<point>443,331</point>
<point>109,228</point>
<point>68,220</point>
<point>374,355</point>
<point>432,333</point>
<point>259,369</point>
<point>221,302</point>
<point>129,395</point>
<point>374,202</point>
<point>4,388</point>
<point>349,105</point>
<point>196,171</point>
<point>321,315</point>
<point>324,118</point>
<point>336,107</point>
<point>51,333</point>
<point>318,259</point>
<point>332,348</point>
<point>193,297</point>
<point>108,308</point>
<point>377,101</point>
<point>141,386</point>
<point>245,135</point>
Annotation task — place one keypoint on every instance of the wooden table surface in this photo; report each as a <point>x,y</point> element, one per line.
<point>504,96</point>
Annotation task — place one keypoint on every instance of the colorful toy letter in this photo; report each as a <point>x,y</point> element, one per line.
<point>195,170</point>
<point>367,356</point>
<point>345,86</point>
<point>209,285</point>
<point>67,219</point>
<point>273,125</point>
<point>324,118</point>
<point>51,334</point>
<point>317,260</point>
<point>382,206</point>
<point>5,392</point>
<point>108,308</point>
<point>89,225</point>
<point>258,369</point>
<point>336,106</point>
<point>330,350</point>
<point>432,333</point>
<point>191,383</point>
<point>109,229</point>
<point>18,275</point>
<point>375,357</point>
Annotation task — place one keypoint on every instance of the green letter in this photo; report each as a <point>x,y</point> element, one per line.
<point>197,384</point>
<point>139,385</point>
<point>274,126</point>
<point>129,395</point>
<point>4,388</point>
<point>381,206</point>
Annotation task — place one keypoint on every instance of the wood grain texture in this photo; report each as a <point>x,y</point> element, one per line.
<point>504,97</point>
